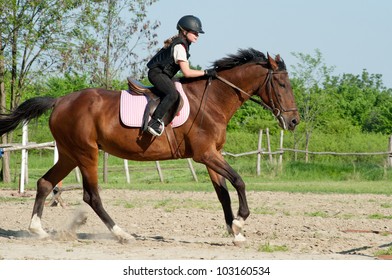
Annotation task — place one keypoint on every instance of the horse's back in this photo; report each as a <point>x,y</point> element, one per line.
<point>87,100</point>
<point>81,112</point>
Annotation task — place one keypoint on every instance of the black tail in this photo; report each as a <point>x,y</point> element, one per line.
<point>28,110</point>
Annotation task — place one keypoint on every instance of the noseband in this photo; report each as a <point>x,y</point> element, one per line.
<point>268,84</point>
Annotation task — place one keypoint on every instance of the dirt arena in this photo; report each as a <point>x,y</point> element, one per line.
<point>190,225</point>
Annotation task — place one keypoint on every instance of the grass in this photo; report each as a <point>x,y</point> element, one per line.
<point>387,252</point>
<point>386,205</point>
<point>252,184</point>
<point>129,205</point>
<point>170,205</point>
<point>263,211</point>
<point>327,187</point>
<point>317,214</point>
<point>268,248</point>
<point>296,177</point>
<point>14,199</point>
<point>379,216</point>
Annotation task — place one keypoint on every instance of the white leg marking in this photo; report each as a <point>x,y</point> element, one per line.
<point>239,238</point>
<point>36,227</point>
<point>121,235</point>
<point>237,226</point>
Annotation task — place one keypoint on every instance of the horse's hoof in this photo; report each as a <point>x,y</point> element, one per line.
<point>121,235</point>
<point>125,238</point>
<point>39,233</point>
<point>35,228</point>
<point>239,240</point>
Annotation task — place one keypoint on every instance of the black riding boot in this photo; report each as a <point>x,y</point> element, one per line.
<point>155,126</point>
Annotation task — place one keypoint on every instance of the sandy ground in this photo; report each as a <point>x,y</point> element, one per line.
<point>190,225</point>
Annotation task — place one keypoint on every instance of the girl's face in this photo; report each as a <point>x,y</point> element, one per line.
<point>191,36</point>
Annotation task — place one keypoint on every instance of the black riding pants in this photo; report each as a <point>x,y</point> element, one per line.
<point>168,92</point>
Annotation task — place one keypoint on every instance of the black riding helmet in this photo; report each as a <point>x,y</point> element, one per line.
<point>190,23</point>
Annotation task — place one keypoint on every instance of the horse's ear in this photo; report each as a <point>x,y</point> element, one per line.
<point>272,63</point>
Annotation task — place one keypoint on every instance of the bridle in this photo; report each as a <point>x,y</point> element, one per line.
<point>268,84</point>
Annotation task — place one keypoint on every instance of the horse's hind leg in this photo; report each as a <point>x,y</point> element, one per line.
<point>91,196</point>
<point>44,186</point>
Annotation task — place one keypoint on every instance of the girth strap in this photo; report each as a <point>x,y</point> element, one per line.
<point>171,138</point>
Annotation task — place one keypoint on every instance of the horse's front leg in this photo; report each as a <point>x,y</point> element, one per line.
<point>243,210</point>
<point>219,169</point>
<point>221,190</point>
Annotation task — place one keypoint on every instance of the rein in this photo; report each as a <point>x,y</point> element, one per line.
<point>267,82</point>
<point>260,102</point>
<point>242,91</point>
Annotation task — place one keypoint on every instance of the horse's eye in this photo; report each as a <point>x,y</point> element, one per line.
<point>282,85</point>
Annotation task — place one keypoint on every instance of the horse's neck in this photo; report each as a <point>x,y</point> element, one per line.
<point>216,98</point>
<point>220,98</point>
<point>233,95</point>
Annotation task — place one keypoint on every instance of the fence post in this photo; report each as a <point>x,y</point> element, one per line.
<point>269,145</point>
<point>390,152</point>
<point>77,174</point>
<point>281,151</point>
<point>126,169</point>
<point>24,159</point>
<point>55,159</point>
<point>158,165</point>
<point>259,144</point>
<point>105,167</point>
<point>192,170</point>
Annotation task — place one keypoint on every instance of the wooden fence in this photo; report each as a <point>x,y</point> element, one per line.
<point>25,146</point>
<point>261,151</point>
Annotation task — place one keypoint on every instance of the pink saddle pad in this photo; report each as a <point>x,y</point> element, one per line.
<point>132,108</point>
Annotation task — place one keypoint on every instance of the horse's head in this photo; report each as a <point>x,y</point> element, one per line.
<point>255,74</point>
<point>277,95</point>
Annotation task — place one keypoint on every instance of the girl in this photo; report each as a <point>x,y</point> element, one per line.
<point>167,62</point>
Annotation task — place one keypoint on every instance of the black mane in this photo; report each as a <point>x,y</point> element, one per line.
<point>241,57</point>
<point>244,56</point>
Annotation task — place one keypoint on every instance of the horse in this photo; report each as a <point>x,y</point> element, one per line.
<point>86,121</point>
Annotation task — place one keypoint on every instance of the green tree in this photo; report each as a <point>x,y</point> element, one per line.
<point>309,77</point>
<point>33,33</point>
<point>364,101</point>
<point>30,31</point>
<point>4,6</point>
<point>112,46</point>
<point>379,119</point>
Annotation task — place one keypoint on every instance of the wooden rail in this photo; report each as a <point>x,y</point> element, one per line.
<point>260,151</point>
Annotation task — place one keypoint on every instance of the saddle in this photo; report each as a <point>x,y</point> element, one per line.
<point>153,99</point>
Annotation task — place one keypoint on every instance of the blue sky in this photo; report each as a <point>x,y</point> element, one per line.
<point>352,35</point>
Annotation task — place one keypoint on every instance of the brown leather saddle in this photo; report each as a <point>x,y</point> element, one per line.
<point>153,99</point>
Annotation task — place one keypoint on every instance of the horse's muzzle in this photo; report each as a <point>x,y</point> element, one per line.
<point>292,124</point>
<point>288,122</point>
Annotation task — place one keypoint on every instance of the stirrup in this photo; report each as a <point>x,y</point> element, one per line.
<point>153,131</point>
